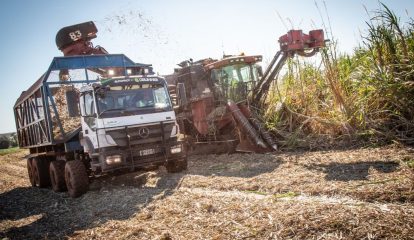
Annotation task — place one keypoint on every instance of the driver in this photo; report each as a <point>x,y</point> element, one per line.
<point>102,105</point>
<point>142,99</point>
<point>105,103</point>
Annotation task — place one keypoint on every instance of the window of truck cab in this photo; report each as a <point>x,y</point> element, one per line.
<point>88,104</point>
<point>132,99</point>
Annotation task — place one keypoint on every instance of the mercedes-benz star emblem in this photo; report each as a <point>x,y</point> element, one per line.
<point>143,132</point>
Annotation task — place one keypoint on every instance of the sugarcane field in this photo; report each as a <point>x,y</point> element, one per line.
<point>207,120</point>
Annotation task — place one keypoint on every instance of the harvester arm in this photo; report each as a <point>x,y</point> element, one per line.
<point>262,87</point>
<point>294,42</point>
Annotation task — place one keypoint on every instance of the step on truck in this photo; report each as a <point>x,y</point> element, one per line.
<point>90,115</point>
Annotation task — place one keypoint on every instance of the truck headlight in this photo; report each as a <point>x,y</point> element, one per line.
<point>176,149</point>
<point>174,131</point>
<point>113,159</point>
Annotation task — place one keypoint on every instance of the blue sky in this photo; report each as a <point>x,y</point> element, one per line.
<point>166,32</point>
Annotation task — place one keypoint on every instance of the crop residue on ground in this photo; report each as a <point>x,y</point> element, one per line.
<point>351,194</point>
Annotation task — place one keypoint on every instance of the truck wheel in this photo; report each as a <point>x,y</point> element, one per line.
<point>176,166</point>
<point>57,176</point>
<point>76,178</point>
<point>40,171</point>
<point>30,172</point>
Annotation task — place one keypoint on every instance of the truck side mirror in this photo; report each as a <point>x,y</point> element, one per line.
<point>181,96</point>
<point>72,99</point>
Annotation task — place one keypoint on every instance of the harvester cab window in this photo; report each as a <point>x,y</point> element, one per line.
<point>234,81</point>
<point>257,72</point>
<point>244,74</point>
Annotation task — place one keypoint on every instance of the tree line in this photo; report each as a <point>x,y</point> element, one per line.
<point>8,140</point>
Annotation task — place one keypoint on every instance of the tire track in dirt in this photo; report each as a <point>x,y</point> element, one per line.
<point>363,193</point>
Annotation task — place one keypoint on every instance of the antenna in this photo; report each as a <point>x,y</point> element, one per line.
<point>222,47</point>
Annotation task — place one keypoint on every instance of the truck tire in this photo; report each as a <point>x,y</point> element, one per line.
<point>57,175</point>
<point>30,172</point>
<point>77,181</point>
<point>40,171</point>
<point>176,166</point>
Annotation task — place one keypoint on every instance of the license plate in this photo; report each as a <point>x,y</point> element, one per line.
<point>146,152</point>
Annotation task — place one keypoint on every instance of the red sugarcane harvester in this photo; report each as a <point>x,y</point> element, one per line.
<point>216,100</point>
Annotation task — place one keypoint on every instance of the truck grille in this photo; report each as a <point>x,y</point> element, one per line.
<point>141,134</point>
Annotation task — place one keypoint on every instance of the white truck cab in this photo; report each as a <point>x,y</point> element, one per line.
<point>128,122</point>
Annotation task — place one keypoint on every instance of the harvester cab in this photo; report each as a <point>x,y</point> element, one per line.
<point>219,101</point>
<point>234,77</point>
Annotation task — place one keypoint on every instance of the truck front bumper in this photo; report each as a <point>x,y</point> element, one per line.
<point>115,158</point>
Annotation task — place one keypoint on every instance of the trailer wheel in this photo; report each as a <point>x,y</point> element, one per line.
<point>176,166</point>
<point>30,172</point>
<point>40,170</point>
<point>57,176</point>
<point>76,178</point>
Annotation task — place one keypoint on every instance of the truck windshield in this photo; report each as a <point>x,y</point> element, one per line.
<point>130,100</point>
<point>234,81</point>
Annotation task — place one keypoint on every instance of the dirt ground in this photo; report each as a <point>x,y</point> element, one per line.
<point>347,194</point>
